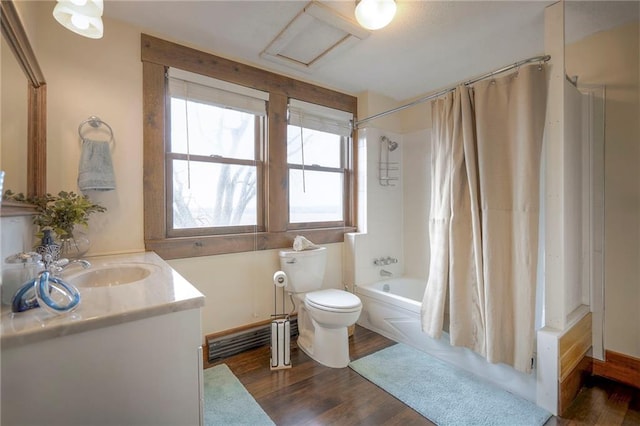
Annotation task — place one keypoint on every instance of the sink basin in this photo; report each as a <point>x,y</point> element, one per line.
<point>110,276</point>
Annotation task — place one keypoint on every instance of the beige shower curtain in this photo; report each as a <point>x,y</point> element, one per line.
<point>484,215</point>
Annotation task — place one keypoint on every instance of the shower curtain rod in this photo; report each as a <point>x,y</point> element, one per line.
<point>543,58</point>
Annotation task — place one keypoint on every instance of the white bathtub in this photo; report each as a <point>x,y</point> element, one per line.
<point>392,308</point>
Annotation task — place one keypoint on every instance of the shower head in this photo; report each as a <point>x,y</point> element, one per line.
<point>391,145</point>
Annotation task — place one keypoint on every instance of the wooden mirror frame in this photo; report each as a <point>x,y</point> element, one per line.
<point>16,37</point>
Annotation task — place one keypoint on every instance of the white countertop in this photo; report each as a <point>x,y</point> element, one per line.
<point>162,292</point>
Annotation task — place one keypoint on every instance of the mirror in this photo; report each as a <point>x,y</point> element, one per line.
<point>32,160</point>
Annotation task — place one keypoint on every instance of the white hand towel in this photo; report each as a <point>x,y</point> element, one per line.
<point>300,243</point>
<point>96,167</point>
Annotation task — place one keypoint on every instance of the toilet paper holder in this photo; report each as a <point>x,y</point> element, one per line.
<point>280,327</point>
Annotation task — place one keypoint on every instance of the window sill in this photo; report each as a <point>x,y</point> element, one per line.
<point>185,247</point>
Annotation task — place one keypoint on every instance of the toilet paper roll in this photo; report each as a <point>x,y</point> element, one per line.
<point>280,279</point>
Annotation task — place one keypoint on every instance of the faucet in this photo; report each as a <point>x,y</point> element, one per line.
<point>385,273</point>
<point>57,266</point>
<point>65,263</point>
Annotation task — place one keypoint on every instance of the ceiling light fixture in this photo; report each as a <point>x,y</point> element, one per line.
<point>375,14</point>
<point>83,17</point>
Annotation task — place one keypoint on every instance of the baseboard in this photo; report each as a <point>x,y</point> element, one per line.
<point>619,367</point>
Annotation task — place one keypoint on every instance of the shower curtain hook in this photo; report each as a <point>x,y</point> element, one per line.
<point>493,76</point>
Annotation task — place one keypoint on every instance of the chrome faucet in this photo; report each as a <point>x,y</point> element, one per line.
<point>57,266</point>
<point>385,273</point>
<point>65,263</point>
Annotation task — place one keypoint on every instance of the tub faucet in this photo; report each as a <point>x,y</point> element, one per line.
<point>385,273</point>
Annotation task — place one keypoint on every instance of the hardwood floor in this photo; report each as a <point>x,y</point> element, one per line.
<point>602,402</point>
<point>311,394</point>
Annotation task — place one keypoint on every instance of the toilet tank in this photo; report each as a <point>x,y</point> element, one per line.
<point>304,269</point>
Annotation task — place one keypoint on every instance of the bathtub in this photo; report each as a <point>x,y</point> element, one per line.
<point>392,308</point>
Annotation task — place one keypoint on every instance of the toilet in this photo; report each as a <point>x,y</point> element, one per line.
<point>323,315</point>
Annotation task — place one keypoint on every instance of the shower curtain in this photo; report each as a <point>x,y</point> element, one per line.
<point>483,223</point>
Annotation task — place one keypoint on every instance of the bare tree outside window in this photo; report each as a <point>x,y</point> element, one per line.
<point>210,188</point>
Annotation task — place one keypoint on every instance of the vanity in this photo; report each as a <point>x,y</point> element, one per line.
<point>129,354</point>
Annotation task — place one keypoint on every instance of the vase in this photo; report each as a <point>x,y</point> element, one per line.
<point>74,247</point>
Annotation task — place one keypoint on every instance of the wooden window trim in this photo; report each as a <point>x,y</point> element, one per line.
<point>157,55</point>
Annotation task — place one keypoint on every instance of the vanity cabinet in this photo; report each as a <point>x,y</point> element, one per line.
<point>114,361</point>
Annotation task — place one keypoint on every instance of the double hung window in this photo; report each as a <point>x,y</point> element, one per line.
<point>214,156</point>
<point>317,158</point>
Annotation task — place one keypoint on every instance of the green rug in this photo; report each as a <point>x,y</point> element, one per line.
<point>227,402</point>
<point>442,393</point>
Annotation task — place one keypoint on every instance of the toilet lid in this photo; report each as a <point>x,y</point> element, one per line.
<point>333,299</point>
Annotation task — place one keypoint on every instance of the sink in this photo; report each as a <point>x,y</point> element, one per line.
<point>110,275</point>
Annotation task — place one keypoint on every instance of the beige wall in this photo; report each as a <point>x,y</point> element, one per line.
<point>408,120</point>
<point>94,77</point>
<point>611,58</point>
<point>104,78</point>
<point>371,103</point>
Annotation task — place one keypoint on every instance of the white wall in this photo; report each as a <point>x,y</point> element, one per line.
<point>393,219</point>
<point>575,143</point>
<point>416,173</point>
<point>104,78</point>
<point>380,211</point>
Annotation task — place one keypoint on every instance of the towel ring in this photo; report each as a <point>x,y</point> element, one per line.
<point>95,122</point>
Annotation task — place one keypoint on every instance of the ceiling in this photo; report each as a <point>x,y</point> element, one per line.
<point>428,46</point>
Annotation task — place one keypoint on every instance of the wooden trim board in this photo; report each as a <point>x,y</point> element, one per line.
<point>573,365</point>
<point>619,367</point>
<point>574,345</point>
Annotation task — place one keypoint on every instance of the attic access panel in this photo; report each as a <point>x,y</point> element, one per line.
<point>316,34</point>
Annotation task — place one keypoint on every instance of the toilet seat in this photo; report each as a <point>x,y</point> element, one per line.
<point>333,300</point>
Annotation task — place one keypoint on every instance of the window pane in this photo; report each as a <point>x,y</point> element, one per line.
<point>323,149</point>
<point>212,130</point>
<point>321,199</point>
<point>218,195</point>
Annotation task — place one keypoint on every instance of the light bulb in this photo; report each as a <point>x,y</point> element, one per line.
<point>80,21</point>
<point>80,16</point>
<point>375,14</point>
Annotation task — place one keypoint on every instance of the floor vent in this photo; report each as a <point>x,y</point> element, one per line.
<point>232,344</point>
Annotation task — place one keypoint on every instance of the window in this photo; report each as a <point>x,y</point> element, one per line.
<point>239,159</point>
<point>214,156</point>
<point>317,155</point>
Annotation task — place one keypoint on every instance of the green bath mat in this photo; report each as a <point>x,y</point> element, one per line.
<point>227,402</point>
<point>444,394</point>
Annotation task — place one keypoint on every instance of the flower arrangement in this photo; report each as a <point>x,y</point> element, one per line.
<point>59,213</point>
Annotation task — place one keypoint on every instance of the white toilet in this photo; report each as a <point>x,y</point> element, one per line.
<point>323,315</point>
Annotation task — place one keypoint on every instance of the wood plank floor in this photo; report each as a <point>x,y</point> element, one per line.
<point>311,394</point>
